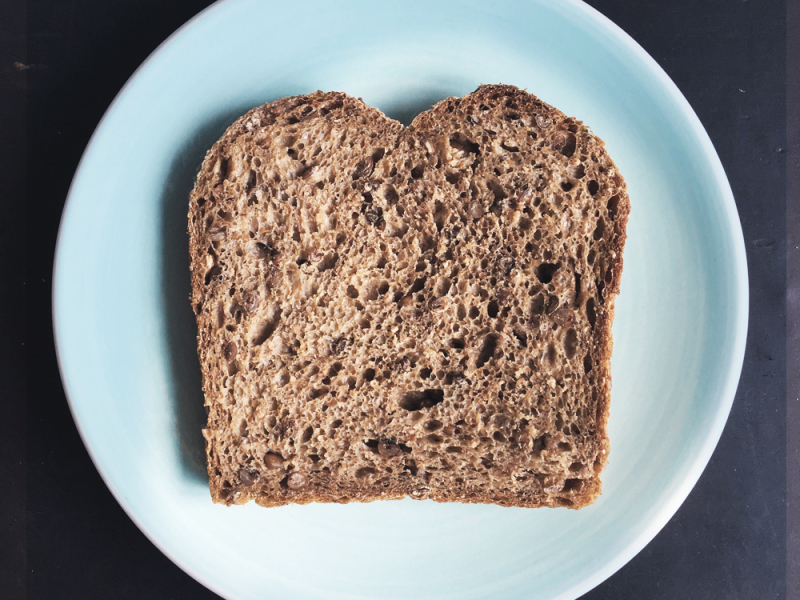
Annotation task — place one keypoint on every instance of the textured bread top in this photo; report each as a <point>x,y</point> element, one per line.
<point>386,311</point>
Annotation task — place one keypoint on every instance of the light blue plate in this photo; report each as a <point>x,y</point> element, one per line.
<point>125,330</point>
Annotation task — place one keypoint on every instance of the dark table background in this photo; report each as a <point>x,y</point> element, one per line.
<point>62,534</point>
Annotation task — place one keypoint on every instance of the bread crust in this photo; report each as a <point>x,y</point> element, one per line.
<point>425,312</point>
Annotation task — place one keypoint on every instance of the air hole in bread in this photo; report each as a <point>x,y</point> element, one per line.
<point>428,242</point>
<point>267,328</point>
<point>417,286</point>
<point>522,337</point>
<point>456,343</point>
<point>364,472</point>
<point>461,312</point>
<point>590,312</point>
<point>497,189</point>
<point>373,290</point>
<point>593,187</point>
<point>551,356</point>
<point>315,393</point>
<point>221,169</point>
<point>576,467</point>
<point>251,181</point>
<point>463,144</point>
<point>487,350</point>
<point>576,171</point>
<point>378,154</point>
<point>545,271</point>
<point>432,425</point>
<point>492,309</point>
<point>613,206</point>
<point>336,104</point>
<point>417,400</point>
<point>443,285</point>
<point>211,274</point>
<point>327,262</point>
<point>559,421</point>
<point>565,142</point>
<point>573,485</point>
<point>540,444</point>
<point>599,230</point>
<point>537,304</point>
<point>566,185</point>
<point>570,343</point>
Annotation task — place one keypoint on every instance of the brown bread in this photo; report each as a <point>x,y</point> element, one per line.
<point>386,311</point>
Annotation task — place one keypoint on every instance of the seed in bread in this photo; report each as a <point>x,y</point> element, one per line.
<point>387,312</point>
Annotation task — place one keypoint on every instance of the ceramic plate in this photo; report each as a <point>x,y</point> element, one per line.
<point>125,330</point>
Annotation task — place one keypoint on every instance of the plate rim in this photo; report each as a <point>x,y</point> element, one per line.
<point>733,227</point>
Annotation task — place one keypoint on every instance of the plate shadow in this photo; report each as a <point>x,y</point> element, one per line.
<point>176,289</point>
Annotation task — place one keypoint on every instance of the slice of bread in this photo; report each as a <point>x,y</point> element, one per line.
<point>386,311</point>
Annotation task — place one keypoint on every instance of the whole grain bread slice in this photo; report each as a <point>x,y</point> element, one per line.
<point>387,312</point>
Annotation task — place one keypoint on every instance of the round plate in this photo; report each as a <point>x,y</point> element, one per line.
<point>126,335</point>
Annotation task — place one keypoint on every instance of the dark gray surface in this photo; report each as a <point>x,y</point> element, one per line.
<point>793,301</point>
<point>727,541</point>
<point>12,300</point>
